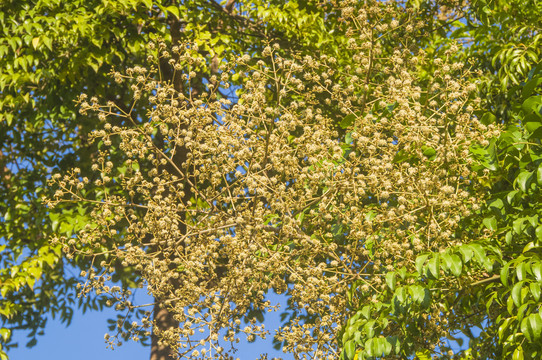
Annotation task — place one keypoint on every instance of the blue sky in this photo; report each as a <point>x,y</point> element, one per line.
<point>84,340</point>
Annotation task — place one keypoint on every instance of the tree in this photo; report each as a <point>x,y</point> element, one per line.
<point>503,301</point>
<point>340,181</point>
<point>49,51</point>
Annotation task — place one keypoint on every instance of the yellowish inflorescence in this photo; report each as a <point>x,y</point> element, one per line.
<point>323,171</point>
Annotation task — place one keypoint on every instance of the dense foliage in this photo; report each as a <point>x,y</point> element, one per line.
<point>503,300</point>
<point>50,52</point>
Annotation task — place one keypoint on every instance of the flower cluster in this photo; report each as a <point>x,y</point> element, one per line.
<point>322,172</point>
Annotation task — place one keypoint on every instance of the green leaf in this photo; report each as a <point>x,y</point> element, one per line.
<point>531,327</point>
<point>467,253</point>
<point>510,196</point>
<point>536,268</point>
<point>521,271</point>
<point>434,266</point>
<point>384,345</point>
<point>350,349</point>
<point>530,86</point>
<point>479,252</point>
<point>400,156</point>
<point>366,312</point>
<point>369,328</point>
<point>370,347</point>
<point>516,294</point>
<point>503,327</point>
<point>488,118</point>
<point>530,246</point>
<point>532,104</point>
<point>532,126</point>
<point>420,295</point>
<point>54,224</point>
<point>347,121</point>
<point>174,10</point>
<point>508,237</point>
<point>391,280</point>
<point>420,261</point>
<point>518,226</point>
<point>5,333</point>
<point>377,347</point>
<point>456,266</point>
<point>348,138</point>
<point>486,156</point>
<point>423,354</point>
<point>524,180</point>
<point>490,223</point>
<point>535,290</point>
<point>395,343</point>
<point>446,261</point>
<point>402,272</point>
<point>35,42</point>
<point>518,353</point>
<point>505,271</point>
<point>429,152</point>
<point>496,204</point>
<point>148,3</point>
<point>48,42</point>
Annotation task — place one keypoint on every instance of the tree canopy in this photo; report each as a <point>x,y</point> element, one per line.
<point>375,162</point>
<point>50,53</point>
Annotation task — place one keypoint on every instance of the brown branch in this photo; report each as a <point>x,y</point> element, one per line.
<point>484,281</point>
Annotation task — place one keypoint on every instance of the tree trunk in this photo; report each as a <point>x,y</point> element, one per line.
<point>164,320</point>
